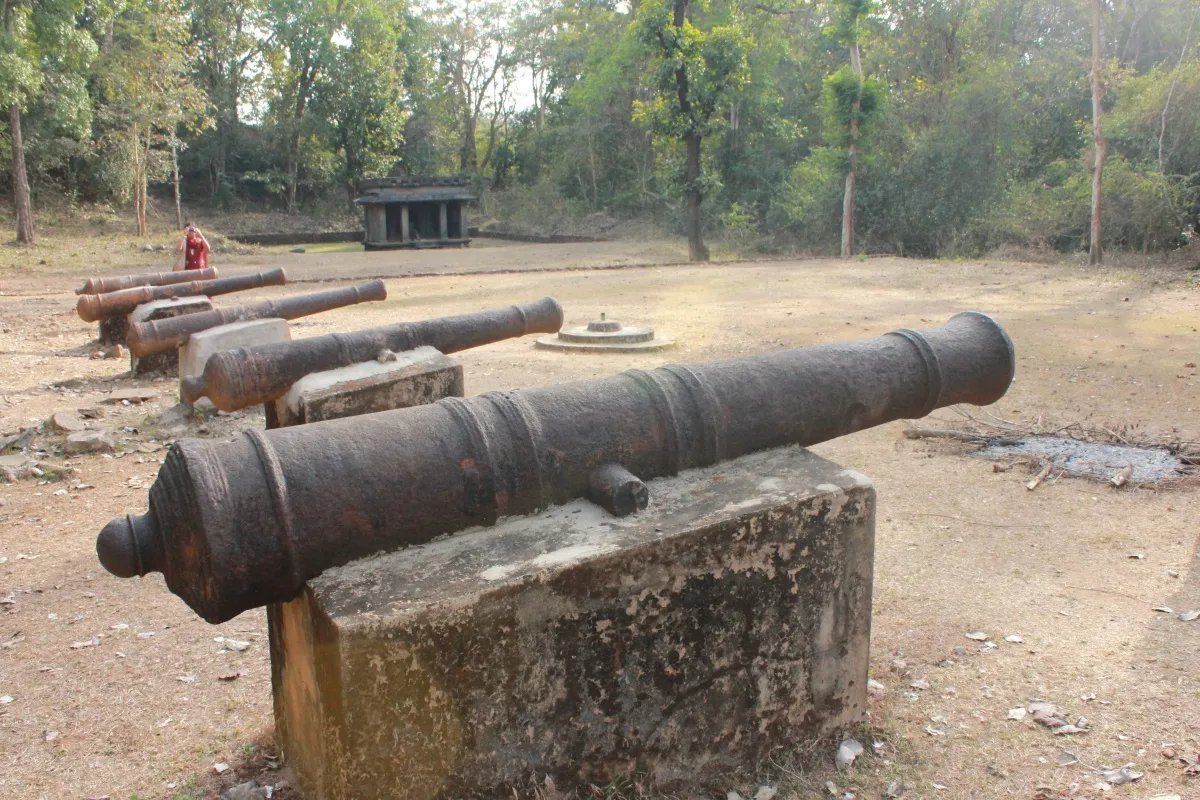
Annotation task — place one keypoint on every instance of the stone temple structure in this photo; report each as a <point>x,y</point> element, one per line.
<point>415,212</point>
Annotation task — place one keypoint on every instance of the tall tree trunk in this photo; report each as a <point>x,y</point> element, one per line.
<point>1095,255</point>
<point>468,156</point>
<point>852,166</point>
<point>175,167</point>
<point>21,202</point>
<point>138,218</point>
<point>293,174</point>
<point>697,250</point>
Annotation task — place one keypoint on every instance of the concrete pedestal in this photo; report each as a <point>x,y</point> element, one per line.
<point>199,347</point>
<point>114,330</point>
<point>730,618</point>
<point>415,378</point>
<point>168,360</point>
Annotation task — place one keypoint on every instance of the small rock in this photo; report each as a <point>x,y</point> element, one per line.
<point>899,665</point>
<point>130,395</point>
<point>920,683</point>
<point>5,700</point>
<point>90,442</point>
<point>895,789</point>
<point>978,636</point>
<point>220,767</point>
<point>1122,776</point>
<point>385,355</point>
<point>51,736</point>
<point>766,793</point>
<point>112,353</point>
<point>230,676</point>
<point>732,796</point>
<point>875,689</point>
<point>67,423</point>
<point>91,413</point>
<point>1016,713</point>
<point>296,250</point>
<point>846,753</point>
<point>246,791</point>
<point>177,414</point>
<point>1014,639</point>
<point>236,645</point>
<point>148,248</point>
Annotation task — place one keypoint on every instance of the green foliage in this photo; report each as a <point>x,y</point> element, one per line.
<point>848,99</point>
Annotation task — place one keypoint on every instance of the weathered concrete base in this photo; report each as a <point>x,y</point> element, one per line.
<point>415,378</point>
<point>167,361</point>
<point>114,330</point>
<point>195,352</point>
<point>730,618</point>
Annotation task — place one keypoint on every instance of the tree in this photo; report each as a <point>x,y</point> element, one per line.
<point>362,93</point>
<point>301,36</point>
<point>145,86</point>
<point>852,101</point>
<point>694,72</point>
<point>227,40</point>
<point>473,52</point>
<point>36,37</point>
<point>1095,254</point>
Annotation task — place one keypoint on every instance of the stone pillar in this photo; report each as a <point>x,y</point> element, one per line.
<point>727,620</point>
<point>168,360</point>
<point>377,232</point>
<point>462,219</point>
<point>404,237</point>
<point>416,377</point>
<point>442,232</point>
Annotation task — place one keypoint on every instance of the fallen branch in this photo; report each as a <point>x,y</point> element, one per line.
<point>1041,476</point>
<point>61,469</point>
<point>976,522</point>
<point>940,433</point>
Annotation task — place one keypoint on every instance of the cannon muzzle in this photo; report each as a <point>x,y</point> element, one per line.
<point>93,307</point>
<point>240,523</point>
<point>236,379</point>
<point>155,336</point>
<point>104,285</point>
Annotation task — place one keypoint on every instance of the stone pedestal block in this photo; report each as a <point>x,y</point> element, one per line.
<point>415,378</point>
<point>114,330</point>
<point>199,347</point>
<point>168,360</point>
<point>730,618</point>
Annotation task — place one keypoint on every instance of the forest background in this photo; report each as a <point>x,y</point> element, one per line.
<point>967,123</point>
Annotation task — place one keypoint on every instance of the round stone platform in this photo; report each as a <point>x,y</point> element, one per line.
<point>606,335</point>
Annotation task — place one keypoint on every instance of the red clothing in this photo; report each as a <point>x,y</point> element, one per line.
<point>197,253</point>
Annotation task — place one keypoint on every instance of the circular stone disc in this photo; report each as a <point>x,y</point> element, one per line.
<point>625,334</point>
<point>598,345</point>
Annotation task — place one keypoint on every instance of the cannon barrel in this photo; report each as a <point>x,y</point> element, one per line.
<point>93,307</point>
<point>236,379</point>
<point>105,285</point>
<point>245,522</point>
<point>146,338</point>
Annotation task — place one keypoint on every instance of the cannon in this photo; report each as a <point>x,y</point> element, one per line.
<point>241,523</point>
<point>105,285</point>
<point>236,379</point>
<point>93,307</point>
<point>146,338</point>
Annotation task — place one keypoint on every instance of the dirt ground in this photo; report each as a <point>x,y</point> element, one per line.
<point>140,709</point>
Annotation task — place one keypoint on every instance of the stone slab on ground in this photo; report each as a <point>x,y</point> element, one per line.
<point>414,378</point>
<point>132,396</point>
<point>168,360</point>
<point>730,618</point>
<point>90,442</point>
<point>199,347</point>
<point>64,422</point>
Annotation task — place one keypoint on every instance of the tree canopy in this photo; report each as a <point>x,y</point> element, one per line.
<point>966,124</point>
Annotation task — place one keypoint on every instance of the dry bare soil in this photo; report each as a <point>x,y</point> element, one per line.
<point>115,685</point>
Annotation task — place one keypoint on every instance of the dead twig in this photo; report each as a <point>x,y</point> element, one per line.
<point>1103,591</point>
<point>1041,476</point>
<point>941,433</point>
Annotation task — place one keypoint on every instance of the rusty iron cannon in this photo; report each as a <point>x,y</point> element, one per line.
<point>236,379</point>
<point>106,285</point>
<point>93,307</point>
<point>244,522</point>
<point>155,336</point>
